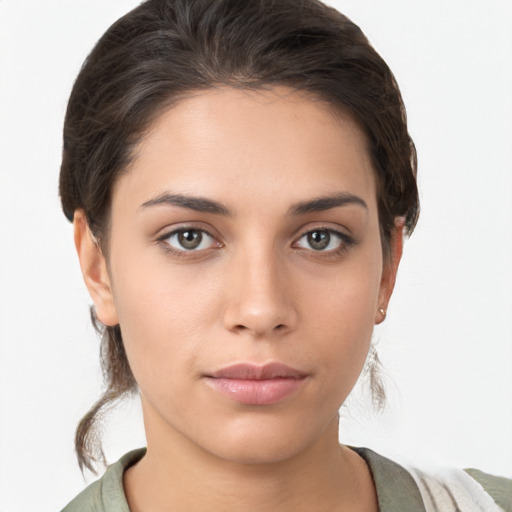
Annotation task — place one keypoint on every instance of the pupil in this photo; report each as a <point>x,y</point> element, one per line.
<point>190,239</point>
<point>319,240</point>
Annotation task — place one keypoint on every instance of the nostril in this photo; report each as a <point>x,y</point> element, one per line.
<point>241,327</point>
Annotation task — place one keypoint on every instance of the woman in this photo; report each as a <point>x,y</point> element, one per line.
<point>240,177</point>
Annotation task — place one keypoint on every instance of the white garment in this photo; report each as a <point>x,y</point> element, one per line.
<point>452,490</point>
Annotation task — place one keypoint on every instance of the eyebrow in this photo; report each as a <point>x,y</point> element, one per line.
<point>321,204</point>
<point>201,204</point>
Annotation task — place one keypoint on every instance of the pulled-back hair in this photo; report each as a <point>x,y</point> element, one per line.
<point>164,49</point>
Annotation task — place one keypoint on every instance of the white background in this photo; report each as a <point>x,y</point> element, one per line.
<point>447,342</point>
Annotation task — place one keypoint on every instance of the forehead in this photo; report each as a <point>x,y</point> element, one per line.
<point>232,145</point>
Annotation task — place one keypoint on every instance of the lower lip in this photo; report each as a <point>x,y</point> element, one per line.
<point>256,392</point>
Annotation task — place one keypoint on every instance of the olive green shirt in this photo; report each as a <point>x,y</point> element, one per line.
<point>398,490</point>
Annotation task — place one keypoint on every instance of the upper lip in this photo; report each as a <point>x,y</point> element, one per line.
<point>249,371</point>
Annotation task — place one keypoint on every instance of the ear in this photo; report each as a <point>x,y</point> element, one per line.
<point>94,270</point>
<point>390,269</point>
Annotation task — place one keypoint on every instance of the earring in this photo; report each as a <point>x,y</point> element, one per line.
<point>382,311</point>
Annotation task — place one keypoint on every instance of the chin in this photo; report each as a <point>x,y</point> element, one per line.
<point>259,453</point>
<point>257,442</point>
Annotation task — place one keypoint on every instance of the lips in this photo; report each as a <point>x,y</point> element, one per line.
<point>257,385</point>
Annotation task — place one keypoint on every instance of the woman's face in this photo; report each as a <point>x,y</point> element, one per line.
<point>245,270</point>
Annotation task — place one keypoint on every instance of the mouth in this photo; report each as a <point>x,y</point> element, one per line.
<point>257,385</point>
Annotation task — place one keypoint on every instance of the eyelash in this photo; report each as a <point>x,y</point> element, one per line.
<point>345,241</point>
<point>183,253</point>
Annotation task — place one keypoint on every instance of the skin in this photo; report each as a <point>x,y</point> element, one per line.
<point>254,291</point>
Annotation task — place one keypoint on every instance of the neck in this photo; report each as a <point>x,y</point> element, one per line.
<point>176,474</point>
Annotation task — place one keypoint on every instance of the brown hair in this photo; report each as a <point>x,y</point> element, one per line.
<point>164,49</point>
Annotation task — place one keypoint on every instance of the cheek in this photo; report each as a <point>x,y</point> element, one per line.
<point>165,318</point>
<point>341,316</point>
<point>171,318</point>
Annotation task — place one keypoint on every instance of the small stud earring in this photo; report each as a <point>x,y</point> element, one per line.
<point>382,311</point>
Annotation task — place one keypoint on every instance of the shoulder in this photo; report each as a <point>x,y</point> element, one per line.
<point>498,487</point>
<point>401,488</point>
<point>107,493</point>
<point>455,489</point>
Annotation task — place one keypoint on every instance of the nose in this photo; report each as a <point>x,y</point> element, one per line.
<point>260,297</point>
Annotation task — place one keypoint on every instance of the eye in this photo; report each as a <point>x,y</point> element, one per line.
<point>323,240</point>
<point>189,239</point>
